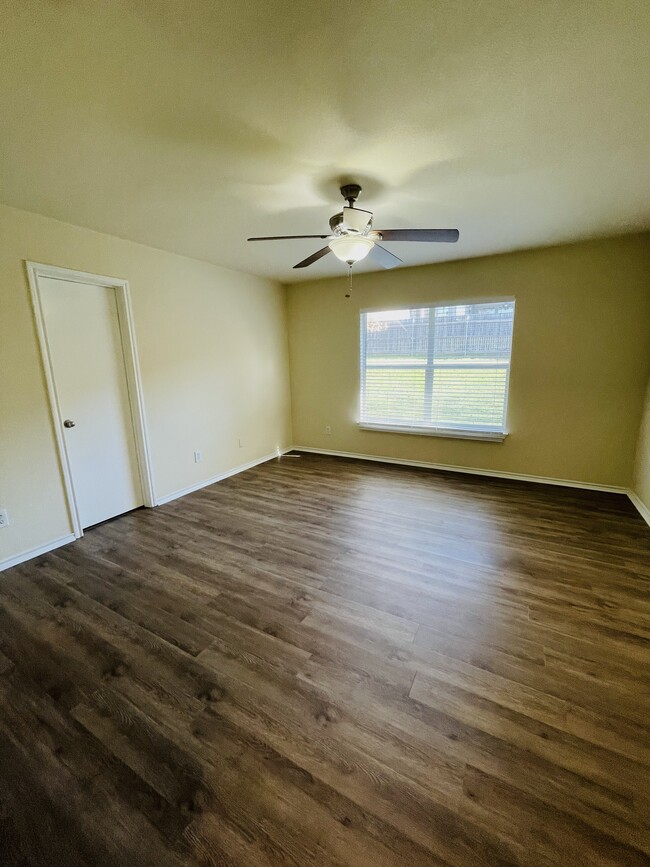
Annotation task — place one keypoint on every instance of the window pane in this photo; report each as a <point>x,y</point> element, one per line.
<point>468,396</point>
<point>474,332</point>
<point>397,336</point>
<point>395,394</point>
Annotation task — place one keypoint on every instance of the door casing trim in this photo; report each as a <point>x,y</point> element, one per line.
<point>36,270</point>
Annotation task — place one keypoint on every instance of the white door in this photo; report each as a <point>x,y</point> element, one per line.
<point>83,334</point>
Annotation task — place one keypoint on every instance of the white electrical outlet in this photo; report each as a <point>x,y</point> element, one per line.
<point>198,457</point>
<point>328,429</point>
<point>4,518</point>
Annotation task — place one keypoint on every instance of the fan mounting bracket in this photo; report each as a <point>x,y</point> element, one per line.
<point>350,193</point>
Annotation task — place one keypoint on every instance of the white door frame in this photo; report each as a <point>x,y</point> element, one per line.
<point>35,271</point>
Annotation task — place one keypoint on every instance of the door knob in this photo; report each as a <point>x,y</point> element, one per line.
<point>68,423</point>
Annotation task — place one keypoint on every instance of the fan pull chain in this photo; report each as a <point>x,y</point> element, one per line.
<point>349,289</point>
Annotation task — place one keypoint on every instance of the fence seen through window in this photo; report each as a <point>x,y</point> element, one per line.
<point>439,368</point>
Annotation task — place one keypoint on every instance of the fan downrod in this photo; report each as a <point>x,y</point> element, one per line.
<point>350,193</point>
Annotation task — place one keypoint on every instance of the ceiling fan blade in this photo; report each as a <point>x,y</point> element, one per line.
<point>384,257</point>
<point>285,237</point>
<point>313,258</point>
<point>448,235</point>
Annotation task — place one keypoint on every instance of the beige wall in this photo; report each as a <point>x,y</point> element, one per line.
<point>641,484</point>
<point>213,354</point>
<point>579,361</point>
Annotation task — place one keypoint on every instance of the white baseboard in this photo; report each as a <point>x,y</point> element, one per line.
<point>36,552</point>
<point>641,507</point>
<point>638,503</point>
<point>167,498</point>
<point>452,468</point>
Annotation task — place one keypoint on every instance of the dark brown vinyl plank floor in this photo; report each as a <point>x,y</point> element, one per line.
<point>330,662</point>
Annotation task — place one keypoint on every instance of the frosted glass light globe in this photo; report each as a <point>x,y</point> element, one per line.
<point>351,248</point>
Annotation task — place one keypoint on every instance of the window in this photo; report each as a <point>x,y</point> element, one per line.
<point>437,370</point>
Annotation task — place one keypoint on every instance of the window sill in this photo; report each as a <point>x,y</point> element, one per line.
<point>449,433</point>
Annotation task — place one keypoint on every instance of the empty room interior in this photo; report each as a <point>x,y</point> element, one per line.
<point>324,433</point>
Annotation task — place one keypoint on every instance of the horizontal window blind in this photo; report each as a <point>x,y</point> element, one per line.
<point>437,368</point>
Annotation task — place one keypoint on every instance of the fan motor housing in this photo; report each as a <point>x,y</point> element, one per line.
<point>335,223</point>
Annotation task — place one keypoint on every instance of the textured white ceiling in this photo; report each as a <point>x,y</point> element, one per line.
<point>191,125</point>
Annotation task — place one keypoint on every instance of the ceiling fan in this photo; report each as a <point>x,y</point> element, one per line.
<point>352,237</point>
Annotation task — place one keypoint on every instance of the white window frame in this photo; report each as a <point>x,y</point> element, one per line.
<point>452,431</point>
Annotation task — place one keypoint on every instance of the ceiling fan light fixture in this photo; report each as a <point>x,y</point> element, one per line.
<point>352,236</point>
<point>351,248</point>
